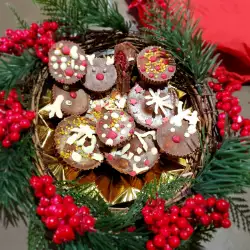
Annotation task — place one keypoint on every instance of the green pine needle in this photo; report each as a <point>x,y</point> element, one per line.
<point>14,68</point>
<point>76,16</point>
<point>179,34</point>
<point>228,171</point>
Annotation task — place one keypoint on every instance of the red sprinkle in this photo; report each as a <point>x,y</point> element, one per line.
<point>146,162</point>
<point>112,134</point>
<point>133,101</point>
<point>176,139</point>
<point>73,94</point>
<point>143,69</point>
<point>131,131</point>
<point>121,137</point>
<point>131,119</point>
<point>122,126</point>
<point>99,76</point>
<point>121,113</point>
<point>133,173</point>
<point>138,89</point>
<point>171,69</point>
<point>79,76</point>
<point>66,50</point>
<point>69,72</point>
<point>154,49</point>
<point>110,157</point>
<point>84,63</point>
<point>153,59</point>
<point>151,75</point>
<point>164,76</point>
<point>166,62</point>
<point>157,67</point>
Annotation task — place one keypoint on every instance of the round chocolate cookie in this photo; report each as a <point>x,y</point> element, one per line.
<point>156,65</point>
<point>149,108</point>
<point>70,99</point>
<point>115,127</point>
<point>77,143</point>
<point>176,141</point>
<point>101,74</point>
<point>67,62</point>
<point>137,156</point>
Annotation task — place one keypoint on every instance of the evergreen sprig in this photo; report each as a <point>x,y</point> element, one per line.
<point>240,212</point>
<point>14,68</point>
<point>228,171</point>
<point>21,22</point>
<point>76,16</point>
<point>175,28</point>
<point>16,168</point>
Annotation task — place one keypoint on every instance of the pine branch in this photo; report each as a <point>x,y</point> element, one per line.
<point>76,16</point>
<point>240,212</point>
<point>15,171</point>
<point>14,68</point>
<point>227,171</point>
<point>179,33</point>
<point>21,22</point>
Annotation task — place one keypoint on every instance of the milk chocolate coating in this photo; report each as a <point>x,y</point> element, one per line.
<point>100,77</point>
<point>72,106</point>
<point>186,146</point>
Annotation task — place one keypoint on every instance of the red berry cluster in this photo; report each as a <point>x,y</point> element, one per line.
<point>13,119</point>
<point>179,223</point>
<point>38,37</point>
<point>226,84</point>
<point>60,213</point>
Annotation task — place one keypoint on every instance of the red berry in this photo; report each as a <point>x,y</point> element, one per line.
<point>222,206</point>
<point>89,221</point>
<point>6,143</point>
<point>14,136</point>
<point>216,216</point>
<point>66,232</point>
<point>159,240</point>
<point>50,190</point>
<point>72,209</point>
<point>234,101</point>
<point>52,222</point>
<point>222,116</point>
<point>2,131</point>
<point>217,87</point>
<point>190,203</point>
<point>3,123</point>
<point>150,245</point>
<point>47,179</point>
<point>226,223</point>
<point>210,84</point>
<point>182,223</point>
<point>236,109</point>
<point>221,124</point>
<point>30,115</point>
<point>199,211</point>
<point>46,25</point>
<point>222,79</point>
<point>235,127</point>
<point>222,132</point>
<point>174,241</point>
<point>167,247</point>
<point>190,230</point>
<point>36,183</point>
<point>15,127</point>
<point>244,132</point>
<point>34,26</point>
<point>173,218</point>
<point>54,26</point>
<point>17,118</point>
<point>68,199</point>
<point>219,105</point>
<point>174,210</point>
<point>157,214</point>
<point>74,221</point>
<point>211,202</point>
<point>44,202</point>
<point>40,211</point>
<point>185,212</point>
<point>57,199</point>
<point>174,230</point>
<point>25,123</point>
<point>165,231</point>
<point>59,211</point>
<point>226,215</point>
<point>45,60</point>
<point>226,106</point>
<point>148,219</point>
<point>184,235</point>
<point>84,210</point>
<point>237,86</point>
<point>205,220</point>
<point>219,96</point>
<point>56,239</point>
<point>237,119</point>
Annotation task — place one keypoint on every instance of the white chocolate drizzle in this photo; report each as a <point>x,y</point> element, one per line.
<point>55,107</point>
<point>142,141</point>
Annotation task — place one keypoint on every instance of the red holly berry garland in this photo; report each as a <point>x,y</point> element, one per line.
<point>179,222</point>
<point>60,214</point>
<point>13,118</point>
<point>225,84</point>
<point>38,37</point>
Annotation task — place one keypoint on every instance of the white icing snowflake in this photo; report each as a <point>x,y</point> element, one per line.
<point>160,102</point>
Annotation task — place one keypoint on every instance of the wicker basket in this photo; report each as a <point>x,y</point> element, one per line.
<point>103,40</point>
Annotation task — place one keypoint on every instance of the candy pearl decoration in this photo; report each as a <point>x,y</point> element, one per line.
<point>57,52</point>
<point>53,59</point>
<point>63,66</point>
<point>64,59</point>
<point>99,76</point>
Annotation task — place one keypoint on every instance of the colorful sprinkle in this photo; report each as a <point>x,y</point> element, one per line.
<point>149,121</point>
<point>171,69</point>
<point>73,94</point>
<point>138,89</point>
<point>133,101</point>
<point>146,162</point>
<point>112,135</point>
<point>176,139</point>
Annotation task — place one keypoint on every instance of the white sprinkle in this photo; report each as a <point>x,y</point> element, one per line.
<point>68,77</point>
<point>139,150</point>
<point>76,157</point>
<point>64,59</point>
<point>105,126</point>
<point>63,66</point>
<point>105,117</point>
<point>129,125</point>
<point>124,119</point>
<point>53,58</point>
<point>137,158</point>
<point>82,68</point>
<point>55,66</point>
<point>57,52</point>
<point>172,130</point>
<point>114,115</point>
<point>103,135</point>
<point>55,73</point>
<point>68,102</point>
<point>154,151</point>
<point>75,74</point>
<point>114,129</point>
<point>76,67</point>
<point>60,75</point>
<point>123,131</point>
<point>117,125</point>
<point>82,57</point>
<point>60,45</point>
<point>186,134</point>
<point>109,142</point>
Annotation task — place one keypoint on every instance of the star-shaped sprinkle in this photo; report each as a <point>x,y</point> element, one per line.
<point>133,101</point>
<point>149,121</point>
<point>138,89</point>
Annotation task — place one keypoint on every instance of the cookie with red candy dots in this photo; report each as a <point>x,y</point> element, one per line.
<point>70,99</point>
<point>67,62</point>
<point>137,156</point>
<point>101,74</point>
<point>115,127</point>
<point>151,108</point>
<point>156,65</point>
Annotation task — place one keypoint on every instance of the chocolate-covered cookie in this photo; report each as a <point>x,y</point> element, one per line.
<point>67,62</point>
<point>137,156</point>
<point>151,108</point>
<point>101,74</point>
<point>77,143</point>
<point>156,65</point>
<point>69,99</point>
<point>115,127</point>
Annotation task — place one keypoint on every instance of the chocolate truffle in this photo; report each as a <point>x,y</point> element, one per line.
<point>77,144</point>
<point>115,127</point>
<point>67,62</point>
<point>151,108</point>
<point>125,59</point>
<point>68,99</point>
<point>137,156</point>
<point>101,74</point>
<point>156,65</point>
<point>179,136</point>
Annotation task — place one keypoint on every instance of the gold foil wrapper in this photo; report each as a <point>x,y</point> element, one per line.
<point>114,187</point>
